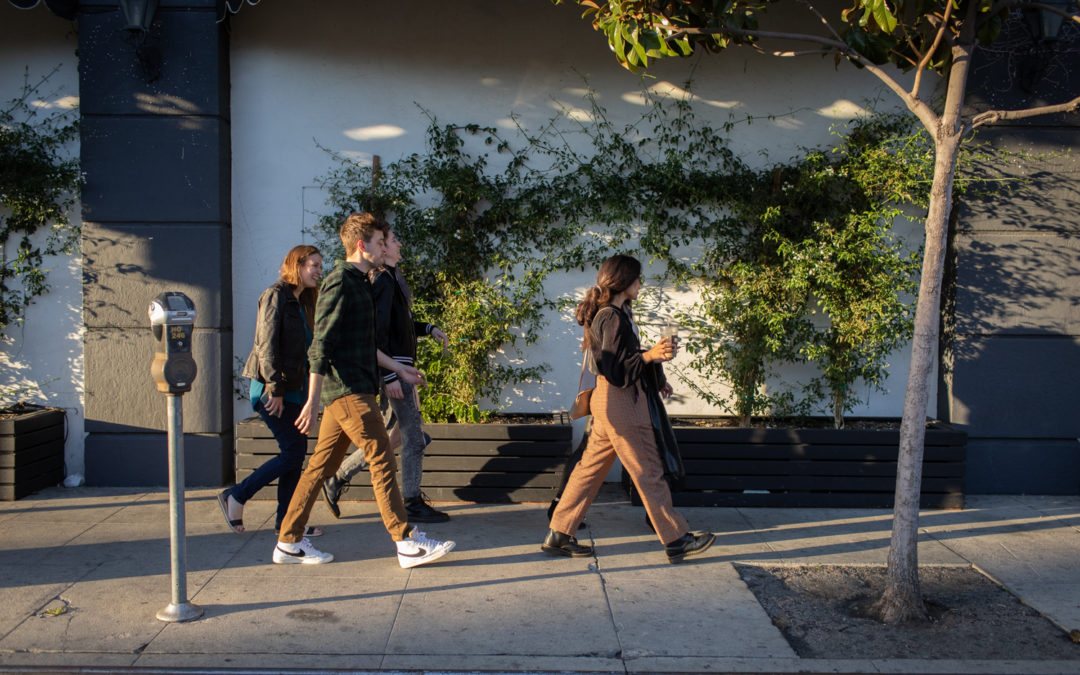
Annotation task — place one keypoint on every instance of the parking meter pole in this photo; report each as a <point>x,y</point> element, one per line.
<point>172,324</point>
<point>180,609</point>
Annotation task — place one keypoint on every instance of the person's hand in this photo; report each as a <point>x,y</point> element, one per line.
<point>665,350</point>
<point>393,389</point>
<point>441,337</point>
<point>305,422</point>
<point>412,376</point>
<point>666,390</point>
<point>274,405</point>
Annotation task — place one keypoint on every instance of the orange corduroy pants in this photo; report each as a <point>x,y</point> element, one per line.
<point>620,428</point>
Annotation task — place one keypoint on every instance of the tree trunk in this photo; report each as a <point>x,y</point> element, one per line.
<point>838,409</point>
<point>902,599</point>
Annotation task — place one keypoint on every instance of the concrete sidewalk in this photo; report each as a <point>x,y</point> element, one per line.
<point>84,571</point>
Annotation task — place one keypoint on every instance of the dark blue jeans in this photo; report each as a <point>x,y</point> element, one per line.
<point>285,467</point>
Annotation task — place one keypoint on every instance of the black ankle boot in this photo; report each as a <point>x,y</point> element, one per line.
<point>687,545</point>
<point>332,489</point>
<point>557,543</point>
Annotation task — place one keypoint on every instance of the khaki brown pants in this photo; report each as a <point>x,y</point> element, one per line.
<point>620,428</point>
<point>352,418</point>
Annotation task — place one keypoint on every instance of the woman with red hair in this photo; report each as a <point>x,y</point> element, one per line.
<point>278,368</point>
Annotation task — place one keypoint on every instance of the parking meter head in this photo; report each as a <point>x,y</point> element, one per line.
<point>172,320</point>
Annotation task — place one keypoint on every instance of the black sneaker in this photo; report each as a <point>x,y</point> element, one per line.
<point>332,489</point>
<point>687,545</point>
<point>419,511</point>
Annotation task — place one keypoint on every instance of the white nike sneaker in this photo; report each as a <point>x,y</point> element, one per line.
<point>419,550</point>
<point>307,555</point>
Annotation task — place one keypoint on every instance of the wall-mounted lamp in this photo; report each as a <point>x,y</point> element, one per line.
<point>1044,24</point>
<point>138,14</point>
<point>138,17</point>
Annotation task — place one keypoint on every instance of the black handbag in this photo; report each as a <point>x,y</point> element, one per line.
<point>666,445</point>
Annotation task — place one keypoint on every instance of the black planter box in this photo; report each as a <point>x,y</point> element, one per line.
<point>500,462</point>
<point>812,467</point>
<point>31,452</point>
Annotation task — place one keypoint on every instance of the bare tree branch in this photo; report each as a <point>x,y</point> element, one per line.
<point>789,53</point>
<point>916,105</point>
<point>738,32</point>
<point>995,116</point>
<point>825,21</point>
<point>919,69</point>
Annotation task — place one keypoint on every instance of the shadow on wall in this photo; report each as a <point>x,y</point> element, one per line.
<point>1015,347</point>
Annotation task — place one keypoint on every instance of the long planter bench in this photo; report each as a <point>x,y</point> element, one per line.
<point>811,467</point>
<point>487,463</point>
<point>523,462</point>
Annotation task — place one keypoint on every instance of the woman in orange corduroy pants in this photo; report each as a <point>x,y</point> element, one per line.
<point>621,425</point>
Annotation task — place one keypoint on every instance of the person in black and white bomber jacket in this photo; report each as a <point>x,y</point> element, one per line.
<point>396,335</point>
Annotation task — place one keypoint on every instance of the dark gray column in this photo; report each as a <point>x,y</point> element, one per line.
<point>1015,325</point>
<point>156,212</point>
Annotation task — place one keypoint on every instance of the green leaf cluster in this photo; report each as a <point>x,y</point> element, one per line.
<point>791,263</point>
<point>903,32</point>
<point>478,244</point>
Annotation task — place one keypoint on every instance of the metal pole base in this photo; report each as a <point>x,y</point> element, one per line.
<point>185,611</point>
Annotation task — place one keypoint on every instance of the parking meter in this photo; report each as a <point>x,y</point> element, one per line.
<point>172,318</point>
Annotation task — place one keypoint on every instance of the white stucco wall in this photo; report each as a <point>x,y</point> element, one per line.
<point>43,358</point>
<point>351,75</point>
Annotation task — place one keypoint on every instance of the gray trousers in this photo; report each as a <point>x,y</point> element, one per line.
<point>405,415</point>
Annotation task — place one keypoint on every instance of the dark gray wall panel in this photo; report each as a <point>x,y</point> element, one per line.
<point>187,66</point>
<point>155,147</point>
<point>1025,75</point>
<point>121,396</point>
<point>155,169</point>
<point>131,264</point>
<point>141,460</point>
<point>1023,466</point>
<point>1012,303</point>
<point>1017,386</point>
<point>1018,283</point>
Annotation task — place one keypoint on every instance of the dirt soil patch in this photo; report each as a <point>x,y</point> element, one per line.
<point>821,611</point>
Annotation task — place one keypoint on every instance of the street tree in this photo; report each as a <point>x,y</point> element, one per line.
<point>929,37</point>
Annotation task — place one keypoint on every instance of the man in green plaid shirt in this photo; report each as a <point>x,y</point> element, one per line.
<point>345,378</point>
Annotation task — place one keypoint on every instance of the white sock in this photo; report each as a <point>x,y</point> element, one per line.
<point>286,546</point>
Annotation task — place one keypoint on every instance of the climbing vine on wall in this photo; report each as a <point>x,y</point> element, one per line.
<point>39,183</point>
<point>791,262</point>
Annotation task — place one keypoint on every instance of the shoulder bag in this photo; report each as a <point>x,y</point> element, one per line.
<point>586,385</point>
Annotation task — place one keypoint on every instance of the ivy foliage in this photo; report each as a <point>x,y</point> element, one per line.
<point>39,184</point>
<point>791,262</point>
<point>477,246</point>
